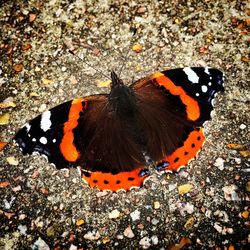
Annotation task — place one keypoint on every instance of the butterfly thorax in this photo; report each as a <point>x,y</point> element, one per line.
<point>121,98</point>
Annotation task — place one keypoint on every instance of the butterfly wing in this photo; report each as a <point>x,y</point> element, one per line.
<point>85,133</point>
<point>51,133</point>
<point>173,105</point>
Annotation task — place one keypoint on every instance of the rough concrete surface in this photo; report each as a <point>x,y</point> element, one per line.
<point>43,208</point>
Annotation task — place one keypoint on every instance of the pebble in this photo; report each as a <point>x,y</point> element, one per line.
<point>230,193</point>
<point>242,126</point>
<point>218,227</point>
<point>22,216</point>
<point>135,215</point>
<point>17,188</point>
<point>8,204</point>
<point>154,240</point>
<point>50,231</point>
<point>219,162</point>
<point>142,10</point>
<point>237,160</point>
<point>145,242</point>
<point>80,222</point>
<point>129,233</point>
<point>183,189</point>
<point>40,244</point>
<point>42,108</point>
<point>12,160</point>
<point>72,247</point>
<point>154,221</point>
<point>185,208</point>
<point>92,235</point>
<point>119,237</point>
<point>22,229</point>
<point>157,205</point>
<point>171,187</point>
<point>64,69</point>
<point>175,43</point>
<point>114,214</point>
<point>101,193</point>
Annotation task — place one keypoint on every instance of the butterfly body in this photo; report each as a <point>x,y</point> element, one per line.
<point>110,136</point>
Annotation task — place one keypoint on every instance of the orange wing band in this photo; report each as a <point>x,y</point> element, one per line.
<point>67,146</point>
<point>181,156</point>
<point>192,107</point>
<point>115,182</point>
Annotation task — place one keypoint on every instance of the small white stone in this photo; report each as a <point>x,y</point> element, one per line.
<point>154,240</point>
<point>145,243</point>
<point>154,221</point>
<point>237,160</point>
<point>40,244</point>
<point>219,162</point>
<point>17,188</point>
<point>93,235</point>
<point>230,193</point>
<point>22,229</point>
<point>22,216</point>
<point>42,108</point>
<point>218,227</point>
<point>114,214</point>
<point>64,69</point>
<point>135,215</point>
<point>119,237</point>
<point>43,140</point>
<point>242,126</point>
<point>72,247</point>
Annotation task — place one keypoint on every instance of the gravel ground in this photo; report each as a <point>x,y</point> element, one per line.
<point>42,208</point>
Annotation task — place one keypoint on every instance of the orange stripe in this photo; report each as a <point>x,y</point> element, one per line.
<point>67,146</point>
<point>192,107</point>
<point>188,148</point>
<point>115,182</point>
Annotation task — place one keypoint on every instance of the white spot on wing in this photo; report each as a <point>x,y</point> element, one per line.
<point>192,76</point>
<point>45,121</point>
<point>206,70</point>
<point>204,88</point>
<point>43,140</point>
<point>34,139</point>
<point>27,126</point>
<point>212,102</point>
<point>54,140</point>
<point>197,94</point>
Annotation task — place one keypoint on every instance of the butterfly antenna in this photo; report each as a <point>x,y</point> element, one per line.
<point>127,53</point>
<point>82,59</point>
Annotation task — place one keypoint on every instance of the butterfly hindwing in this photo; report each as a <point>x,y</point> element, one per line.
<point>83,132</point>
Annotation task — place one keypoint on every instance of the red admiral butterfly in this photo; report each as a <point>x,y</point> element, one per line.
<point>113,138</point>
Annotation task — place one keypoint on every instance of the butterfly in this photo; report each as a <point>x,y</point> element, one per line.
<point>114,137</point>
